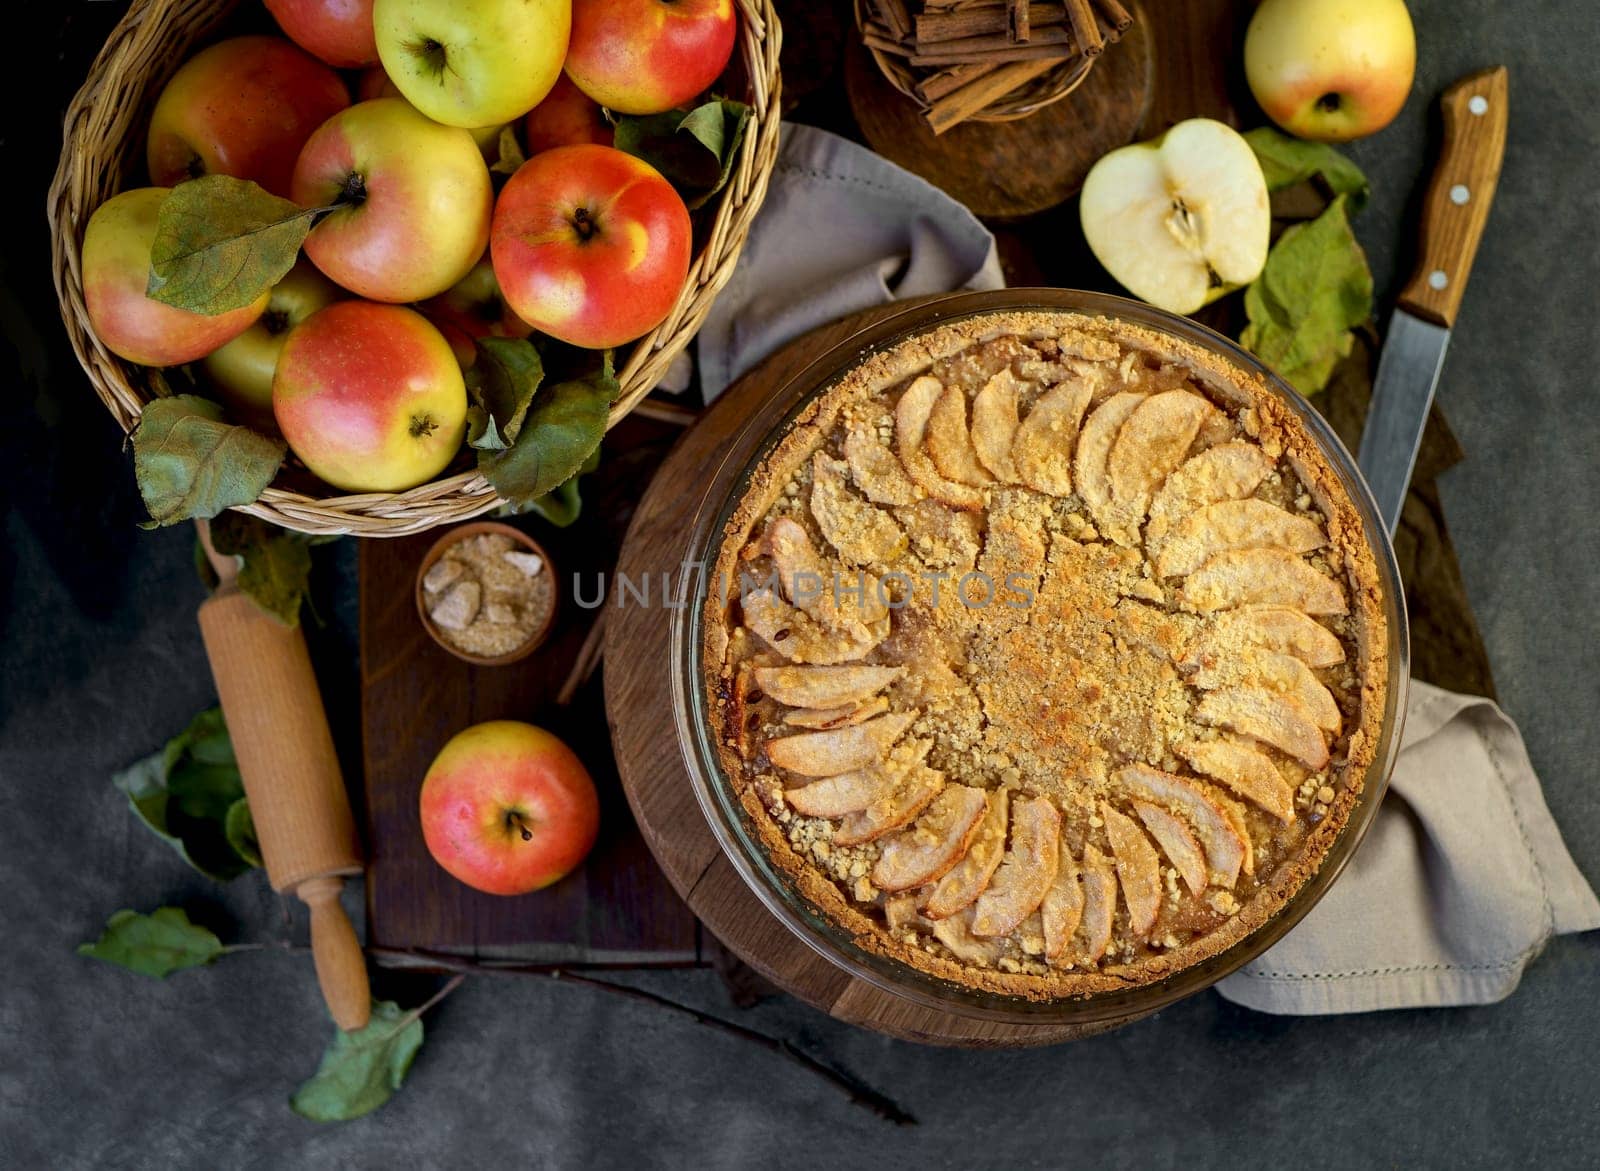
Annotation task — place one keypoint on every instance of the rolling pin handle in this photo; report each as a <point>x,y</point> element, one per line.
<point>341,967</point>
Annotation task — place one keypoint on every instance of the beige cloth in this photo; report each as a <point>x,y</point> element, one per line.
<point>1461,881</point>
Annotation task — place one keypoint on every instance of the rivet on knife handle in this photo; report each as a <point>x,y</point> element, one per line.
<point>1459,195</point>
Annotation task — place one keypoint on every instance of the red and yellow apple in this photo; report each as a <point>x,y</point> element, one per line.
<point>415,201</point>
<point>1331,70</point>
<point>590,245</point>
<point>116,272</point>
<point>243,107</point>
<point>473,62</point>
<point>241,371</point>
<point>507,808</point>
<point>646,56</point>
<point>369,396</point>
<point>472,308</point>
<point>566,117</point>
<point>337,31</point>
<point>375,83</point>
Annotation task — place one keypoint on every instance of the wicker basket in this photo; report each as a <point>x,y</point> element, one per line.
<point>102,137</point>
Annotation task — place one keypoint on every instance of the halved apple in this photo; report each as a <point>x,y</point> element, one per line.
<point>1182,219</point>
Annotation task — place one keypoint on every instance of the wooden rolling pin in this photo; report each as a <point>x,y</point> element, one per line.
<point>291,775</point>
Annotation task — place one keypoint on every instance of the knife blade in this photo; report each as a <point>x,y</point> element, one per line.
<point>1454,213</point>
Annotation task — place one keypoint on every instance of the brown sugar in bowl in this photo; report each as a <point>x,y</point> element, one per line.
<point>523,542</point>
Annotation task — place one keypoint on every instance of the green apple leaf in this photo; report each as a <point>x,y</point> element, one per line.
<point>563,504</point>
<point>693,148</point>
<point>1315,289</point>
<point>360,1071</point>
<point>1286,161</point>
<point>239,827</point>
<point>190,463</point>
<point>221,242</point>
<point>509,154</point>
<point>186,794</point>
<point>274,564</point>
<point>502,383</point>
<point>561,432</point>
<point>156,944</point>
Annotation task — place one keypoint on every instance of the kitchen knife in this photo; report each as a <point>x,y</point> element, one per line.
<point>1453,216</point>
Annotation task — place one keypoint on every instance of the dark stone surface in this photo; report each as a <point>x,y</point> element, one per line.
<point>102,660</point>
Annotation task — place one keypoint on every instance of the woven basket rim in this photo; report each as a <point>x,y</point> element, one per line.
<point>95,135</point>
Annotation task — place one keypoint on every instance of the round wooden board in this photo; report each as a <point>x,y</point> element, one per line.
<point>1008,170</point>
<point>638,693</point>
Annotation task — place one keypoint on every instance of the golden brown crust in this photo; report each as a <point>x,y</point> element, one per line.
<point>1269,423</point>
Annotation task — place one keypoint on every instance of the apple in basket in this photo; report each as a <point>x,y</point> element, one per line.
<point>647,56</point>
<point>375,83</point>
<point>116,272</point>
<point>472,308</point>
<point>338,31</point>
<point>415,201</point>
<point>243,107</point>
<point>590,245</point>
<point>566,117</point>
<point>370,397</point>
<point>507,808</point>
<point>473,62</point>
<point>241,371</point>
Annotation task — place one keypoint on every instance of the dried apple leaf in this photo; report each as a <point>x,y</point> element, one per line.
<point>154,945</point>
<point>509,154</point>
<point>275,564</point>
<point>502,383</point>
<point>189,462</point>
<point>221,242</point>
<point>1286,161</point>
<point>694,148</point>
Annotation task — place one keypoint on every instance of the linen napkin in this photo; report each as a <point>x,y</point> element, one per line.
<point>1463,876</point>
<point>1461,881</point>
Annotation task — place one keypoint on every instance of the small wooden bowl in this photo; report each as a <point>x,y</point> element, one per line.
<point>478,529</point>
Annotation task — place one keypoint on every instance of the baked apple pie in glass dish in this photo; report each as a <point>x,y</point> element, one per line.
<point>1044,650</point>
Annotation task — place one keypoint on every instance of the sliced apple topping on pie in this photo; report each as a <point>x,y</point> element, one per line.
<point>1224,846</point>
<point>1094,447</point>
<point>824,687</point>
<point>838,600</point>
<point>935,843</point>
<point>960,888</point>
<point>910,797</point>
<point>1042,448</point>
<point>1026,871</point>
<point>858,789</point>
<point>910,436</point>
<point>1176,842</point>
<point>1248,771</point>
<point>875,470</point>
<point>950,442</point>
<point>1138,869</point>
<point>1284,674</point>
<point>1155,438</point>
<point>800,638</point>
<point>1245,577</point>
<point>862,534</point>
<point>1268,717</point>
<point>1228,471</point>
<point>845,716</point>
<point>1099,908</point>
<point>1062,909</point>
<point>1282,629</point>
<point>827,754</point>
<point>956,934</point>
<point>1234,524</point>
<point>994,424</point>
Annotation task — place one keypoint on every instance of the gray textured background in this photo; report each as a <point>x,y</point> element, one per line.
<point>101,660</point>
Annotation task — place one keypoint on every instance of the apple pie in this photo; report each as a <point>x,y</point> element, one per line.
<point>1045,653</point>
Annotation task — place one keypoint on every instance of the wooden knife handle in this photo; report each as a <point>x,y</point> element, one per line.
<point>341,967</point>
<point>1459,194</point>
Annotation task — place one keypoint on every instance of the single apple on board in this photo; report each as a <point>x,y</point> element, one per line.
<point>375,83</point>
<point>647,56</point>
<point>473,62</point>
<point>416,201</point>
<point>243,107</point>
<point>1331,70</point>
<point>116,272</point>
<point>590,245</point>
<point>566,117</point>
<point>241,371</point>
<point>337,31</point>
<point>507,808</point>
<point>1181,220</point>
<point>370,397</point>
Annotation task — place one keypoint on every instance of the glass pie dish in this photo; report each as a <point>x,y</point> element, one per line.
<point>727,815</point>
